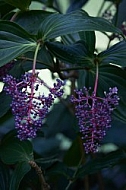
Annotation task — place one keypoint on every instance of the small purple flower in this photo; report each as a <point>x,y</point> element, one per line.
<point>28,108</point>
<point>94,115</point>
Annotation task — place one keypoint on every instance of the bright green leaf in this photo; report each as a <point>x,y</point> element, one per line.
<point>21,169</point>
<point>21,4</point>
<point>61,24</point>
<point>115,54</point>
<point>14,41</point>
<point>13,151</point>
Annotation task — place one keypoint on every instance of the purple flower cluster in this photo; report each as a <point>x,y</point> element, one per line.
<point>28,108</point>
<point>94,115</point>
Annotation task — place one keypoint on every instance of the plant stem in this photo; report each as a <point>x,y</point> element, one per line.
<point>44,185</point>
<point>96,80</point>
<point>102,5</point>
<point>69,184</point>
<point>74,175</point>
<point>33,80</point>
<point>35,58</point>
<point>14,16</point>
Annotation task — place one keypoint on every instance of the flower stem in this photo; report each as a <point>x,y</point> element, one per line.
<point>33,79</point>
<point>96,80</point>
<point>35,58</point>
<point>44,185</point>
<point>74,175</point>
<point>14,16</point>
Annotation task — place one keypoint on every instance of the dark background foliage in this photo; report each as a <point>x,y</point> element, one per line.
<point>58,149</point>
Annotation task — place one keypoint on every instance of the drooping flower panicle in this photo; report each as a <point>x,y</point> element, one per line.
<point>94,115</point>
<point>28,108</point>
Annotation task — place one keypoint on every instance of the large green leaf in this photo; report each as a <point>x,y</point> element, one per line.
<point>14,41</point>
<point>75,151</point>
<point>21,4</point>
<point>60,168</point>
<point>21,169</point>
<point>13,150</point>
<point>60,120</point>
<point>115,54</point>
<point>31,20</point>
<point>62,24</point>
<point>87,36</point>
<point>97,164</point>
<point>77,53</point>
<point>111,76</point>
<point>4,177</point>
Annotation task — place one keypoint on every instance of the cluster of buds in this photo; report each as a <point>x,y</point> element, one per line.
<point>28,107</point>
<point>94,115</point>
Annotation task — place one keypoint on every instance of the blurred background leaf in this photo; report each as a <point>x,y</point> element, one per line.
<point>21,4</point>
<point>4,176</point>
<point>21,169</point>
<point>12,150</point>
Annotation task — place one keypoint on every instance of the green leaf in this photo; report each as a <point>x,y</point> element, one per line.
<point>75,151</point>
<point>44,60</point>
<point>62,24</point>
<point>98,164</point>
<point>47,162</point>
<point>14,41</point>
<point>115,54</point>
<point>13,150</point>
<point>111,76</point>
<point>4,177</point>
<point>77,53</point>
<point>31,20</point>
<point>5,8</point>
<point>61,121</point>
<point>21,4</point>
<point>60,168</point>
<point>21,169</point>
<point>87,36</point>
